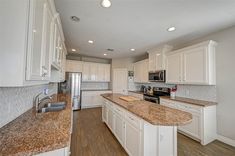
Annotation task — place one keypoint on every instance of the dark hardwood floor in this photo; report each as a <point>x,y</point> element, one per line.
<point>91,137</point>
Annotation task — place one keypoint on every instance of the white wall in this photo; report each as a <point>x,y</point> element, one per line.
<point>123,63</point>
<point>14,101</point>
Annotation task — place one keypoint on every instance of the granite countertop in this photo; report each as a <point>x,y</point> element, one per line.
<point>32,133</point>
<point>138,92</point>
<point>153,113</point>
<point>190,101</point>
<point>96,90</point>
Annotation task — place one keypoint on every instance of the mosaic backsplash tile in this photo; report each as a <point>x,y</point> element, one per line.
<point>14,101</point>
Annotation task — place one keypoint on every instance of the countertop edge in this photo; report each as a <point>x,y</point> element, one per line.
<point>147,120</point>
<point>191,101</point>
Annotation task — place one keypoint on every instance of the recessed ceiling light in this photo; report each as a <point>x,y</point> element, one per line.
<point>105,54</point>
<point>73,49</point>
<point>171,29</point>
<point>75,18</point>
<point>90,41</point>
<point>132,49</point>
<point>106,3</point>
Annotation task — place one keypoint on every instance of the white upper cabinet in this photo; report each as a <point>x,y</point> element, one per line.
<point>141,71</point>
<point>47,42</point>
<point>74,66</point>
<point>173,70</point>
<point>37,18</point>
<point>96,72</point>
<point>31,28</point>
<point>192,65</point>
<point>157,58</point>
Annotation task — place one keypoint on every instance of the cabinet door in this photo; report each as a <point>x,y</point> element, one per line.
<point>73,66</point>
<point>119,128</point>
<point>144,71</point>
<point>93,71</point>
<point>137,72</point>
<point>101,72</point>
<point>110,119</point>
<point>195,66</point>
<point>107,72</point>
<point>174,68</point>
<point>193,128</point>
<point>132,140</point>
<point>152,62</point>
<point>34,53</point>
<point>86,72</point>
<point>160,61</point>
<point>47,42</point>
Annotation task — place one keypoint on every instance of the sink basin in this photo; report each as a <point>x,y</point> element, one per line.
<point>55,104</point>
<point>51,109</point>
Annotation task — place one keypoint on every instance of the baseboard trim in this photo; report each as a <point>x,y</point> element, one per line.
<point>226,140</point>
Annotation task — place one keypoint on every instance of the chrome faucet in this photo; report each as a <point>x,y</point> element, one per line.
<point>38,101</point>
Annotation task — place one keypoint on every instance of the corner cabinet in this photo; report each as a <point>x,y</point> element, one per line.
<point>31,28</point>
<point>203,125</point>
<point>192,65</point>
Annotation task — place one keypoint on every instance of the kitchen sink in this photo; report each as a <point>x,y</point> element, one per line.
<point>55,104</point>
<point>52,107</point>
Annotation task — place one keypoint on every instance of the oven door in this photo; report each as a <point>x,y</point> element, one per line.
<point>151,99</point>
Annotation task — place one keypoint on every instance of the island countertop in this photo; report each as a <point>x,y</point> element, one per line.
<point>153,113</point>
<point>33,133</point>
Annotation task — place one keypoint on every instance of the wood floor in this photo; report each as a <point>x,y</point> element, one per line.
<point>91,137</point>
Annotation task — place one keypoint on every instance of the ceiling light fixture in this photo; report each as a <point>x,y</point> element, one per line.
<point>90,41</point>
<point>105,54</point>
<point>132,49</point>
<point>73,49</point>
<point>171,29</point>
<point>106,3</point>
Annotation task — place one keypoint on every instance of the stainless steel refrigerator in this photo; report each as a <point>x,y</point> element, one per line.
<point>72,86</point>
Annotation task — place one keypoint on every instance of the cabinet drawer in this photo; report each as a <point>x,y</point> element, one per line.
<point>119,110</point>
<point>189,108</point>
<point>133,120</point>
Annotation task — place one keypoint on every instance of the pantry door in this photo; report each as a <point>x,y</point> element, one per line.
<point>120,81</point>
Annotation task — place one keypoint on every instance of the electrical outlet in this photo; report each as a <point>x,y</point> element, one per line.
<point>45,91</point>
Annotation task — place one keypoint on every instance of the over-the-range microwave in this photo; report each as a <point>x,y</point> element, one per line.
<point>157,76</point>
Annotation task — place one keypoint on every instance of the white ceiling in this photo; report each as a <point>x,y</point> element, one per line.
<point>139,24</point>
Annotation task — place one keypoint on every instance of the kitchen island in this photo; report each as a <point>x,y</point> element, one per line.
<point>143,128</point>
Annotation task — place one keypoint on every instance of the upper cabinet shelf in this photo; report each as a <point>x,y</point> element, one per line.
<point>192,65</point>
<point>30,42</point>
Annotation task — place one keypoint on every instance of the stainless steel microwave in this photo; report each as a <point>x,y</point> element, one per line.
<point>157,76</point>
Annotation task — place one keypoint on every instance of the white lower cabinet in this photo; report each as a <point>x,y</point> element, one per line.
<point>203,125</point>
<point>138,137</point>
<point>91,99</point>
<point>58,152</point>
<point>132,140</point>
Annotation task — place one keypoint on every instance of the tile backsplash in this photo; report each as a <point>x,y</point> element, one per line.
<point>207,93</point>
<point>14,101</point>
